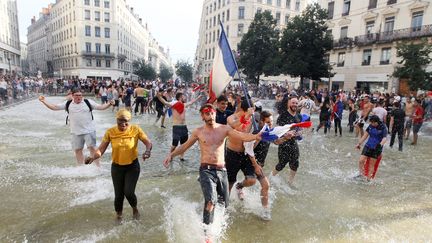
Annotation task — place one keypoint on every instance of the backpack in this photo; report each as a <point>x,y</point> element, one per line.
<point>70,101</point>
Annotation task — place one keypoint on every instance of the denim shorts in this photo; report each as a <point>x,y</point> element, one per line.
<point>78,141</point>
<point>214,185</point>
<point>416,127</point>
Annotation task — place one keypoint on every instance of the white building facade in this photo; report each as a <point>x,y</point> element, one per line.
<point>10,54</point>
<point>366,34</point>
<point>236,16</point>
<point>99,39</point>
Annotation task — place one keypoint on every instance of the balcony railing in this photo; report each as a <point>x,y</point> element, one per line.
<point>342,43</point>
<point>98,54</point>
<point>391,2</point>
<point>384,62</point>
<point>384,37</point>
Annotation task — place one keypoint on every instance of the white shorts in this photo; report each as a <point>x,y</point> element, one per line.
<point>78,141</point>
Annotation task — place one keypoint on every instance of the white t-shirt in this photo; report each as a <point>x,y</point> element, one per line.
<point>80,118</point>
<point>3,85</point>
<point>380,112</point>
<point>306,106</point>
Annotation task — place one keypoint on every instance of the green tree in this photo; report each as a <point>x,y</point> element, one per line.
<point>184,70</point>
<point>415,57</point>
<point>165,73</point>
<point>304,45</point>
<point>259,48</point>
<point>144,70</point>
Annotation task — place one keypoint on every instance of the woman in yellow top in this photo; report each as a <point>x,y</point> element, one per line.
<point>125,167</point>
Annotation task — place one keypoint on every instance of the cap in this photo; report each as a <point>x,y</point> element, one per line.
<point>374,118</point>
<point>258,104</point>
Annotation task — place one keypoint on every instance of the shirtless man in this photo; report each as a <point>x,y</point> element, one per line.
<point>180,131</point>
<point>364,114</point>
<point>139,94</point>
<point>236,159</point>
<point>409,111</point>
<point>213,175</point>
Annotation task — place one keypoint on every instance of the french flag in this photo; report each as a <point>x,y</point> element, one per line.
<point>224,67</point>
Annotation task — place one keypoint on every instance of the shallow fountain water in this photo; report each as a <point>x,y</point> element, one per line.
<point>47,198</point>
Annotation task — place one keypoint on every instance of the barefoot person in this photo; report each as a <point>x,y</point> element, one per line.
<point>125,168</point>
<point>213,176</point>
<point>82,126</point>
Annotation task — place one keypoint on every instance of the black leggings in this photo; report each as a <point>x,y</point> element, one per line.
<point>338,124</point>
<point>125,178</point>
<point>400,131</point>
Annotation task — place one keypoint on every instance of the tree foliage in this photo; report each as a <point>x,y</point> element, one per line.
<point>259,48</point>
<point>144,70</point>
<point>165,73</point>
<point>184,70</point>
<point>304,44</point>
<point>414,59</point>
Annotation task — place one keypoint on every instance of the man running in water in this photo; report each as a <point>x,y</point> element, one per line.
<point>213,175</point>
<point>236,159</point>
<point>307,106</point>
<point>409,110</point>
<point>180,131</point>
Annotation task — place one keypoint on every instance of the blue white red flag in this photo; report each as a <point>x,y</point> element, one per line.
<point>224,67</point>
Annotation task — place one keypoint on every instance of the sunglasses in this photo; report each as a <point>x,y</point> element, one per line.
<point>122,121</point>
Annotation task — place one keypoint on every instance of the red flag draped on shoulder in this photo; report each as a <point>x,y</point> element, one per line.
<point>224,67</point>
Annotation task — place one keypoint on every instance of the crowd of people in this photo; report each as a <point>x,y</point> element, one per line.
<point>238,119</point>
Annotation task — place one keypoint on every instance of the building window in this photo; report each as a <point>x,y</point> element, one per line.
<point>240,29</point>
<point>97,31</point>
<point>107,32</point>
<point>288,4</point>
<point>369,27</point>
<point>287,19</point>
<point>391,2</point>
<point>97,16</point>
<point>346,7</point>
<point>214,21</point>
<point>344,32</point>
<point>88,47</point>
<point>214,36</point>
<point>417,21</point>
<point>227,31</point>
<point>341,59</point>
<point>259,1</point>
<point>389,25</point>
<point>98,63</point>
<point>330,10</point>
<point>87,14</point>
<point>107,48</point>
<point>278,3</point>
<point>297,5</point>
<point>385,56</point>
<point>97,3</point>
<point>241,12</point>
<point>88,62</point>
<point>107,63</point>
<point>367,55</point>
<point>87,30</point>
<point>107,17</point>
<point>205,56</point>
<point>87,2</point>
<point>98,47</point>
<point>259,10</point>
<point>372,4</point>
<point>269,2</point>
<point>228,15</point>
<point>106,4</point>
<point>278,16</point>
<point>223,17</point>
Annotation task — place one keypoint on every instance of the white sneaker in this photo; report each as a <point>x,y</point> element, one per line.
<point>266,215</point>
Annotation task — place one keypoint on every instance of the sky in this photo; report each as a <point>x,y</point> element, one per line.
<point>173,23</point>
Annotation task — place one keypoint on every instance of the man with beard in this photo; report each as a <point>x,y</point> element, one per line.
<point>288,151</point>
<point>213,175</point>
<point>180,131</point>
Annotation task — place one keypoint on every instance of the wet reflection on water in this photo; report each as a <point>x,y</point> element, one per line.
<point>46,197</point>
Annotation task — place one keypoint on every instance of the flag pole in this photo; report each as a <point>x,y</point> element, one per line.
<point>245,91</point>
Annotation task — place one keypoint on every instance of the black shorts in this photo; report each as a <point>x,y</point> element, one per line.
<point>288,154</point>
<point>214,185</point>
<point>127,102</point>
<point>236,161</point>
<point>179,134</point>
<point>372,152</point>
<point>416,127</point>
<point>116,103</point>
<point>160,112</point>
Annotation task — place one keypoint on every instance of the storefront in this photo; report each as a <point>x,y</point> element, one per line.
<point>372,82</point>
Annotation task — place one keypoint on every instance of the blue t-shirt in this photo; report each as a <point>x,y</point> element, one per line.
<point>376,134</point>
